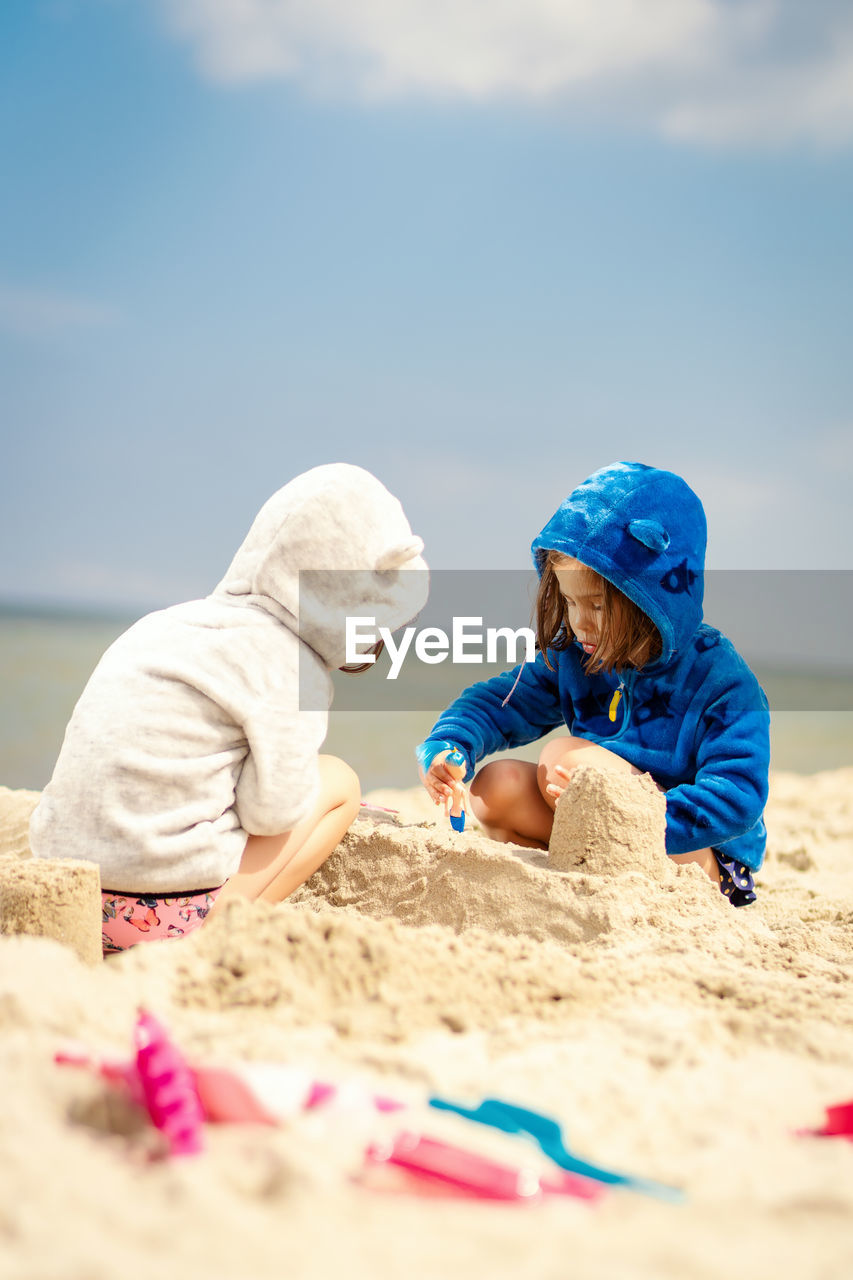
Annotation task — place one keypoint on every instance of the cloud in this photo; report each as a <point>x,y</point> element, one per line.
<point>709,71</point>
<point>35,313</point>
<point>790,78</point>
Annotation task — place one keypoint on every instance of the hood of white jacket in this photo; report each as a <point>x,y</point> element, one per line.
<point>331,544</point>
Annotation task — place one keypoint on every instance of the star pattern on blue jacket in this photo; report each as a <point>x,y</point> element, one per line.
<point>654,707</point>
<point>679,579</point>
<point>717,718</point>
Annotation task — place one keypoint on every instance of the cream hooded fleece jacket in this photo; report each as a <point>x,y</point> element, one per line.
<point>189,735</point>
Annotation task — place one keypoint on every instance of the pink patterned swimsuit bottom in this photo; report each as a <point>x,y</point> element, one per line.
<point>129,918</point>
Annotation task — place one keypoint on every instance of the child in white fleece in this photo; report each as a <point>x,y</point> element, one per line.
<point>190,771</point>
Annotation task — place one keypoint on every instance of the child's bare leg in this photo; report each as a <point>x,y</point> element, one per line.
<point>567,754</point>
<point>704,857</point>
<point>506,798</point>
<point>273,866</point>
<point>308,846</point>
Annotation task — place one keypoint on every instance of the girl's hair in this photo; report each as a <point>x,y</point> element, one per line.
<point>356,668</point>
<point>627,637</point>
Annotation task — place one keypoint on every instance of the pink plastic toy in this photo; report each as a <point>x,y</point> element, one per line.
<point>168,1088</point>
<point>116,1070</point>
<point>371,810</point>
<point>179,1098</point>
<point>469,1173</point>
<point>158,1076</point>
<point>838,1124</point>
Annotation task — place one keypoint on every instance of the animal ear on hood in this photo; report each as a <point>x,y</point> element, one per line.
<point>395,557</point>
<point>644,530</point>
<point>650,533</point>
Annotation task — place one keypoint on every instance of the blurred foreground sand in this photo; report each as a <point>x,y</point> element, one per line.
<point>672,1036</point>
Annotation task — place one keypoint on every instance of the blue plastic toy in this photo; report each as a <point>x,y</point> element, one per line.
<point>546,1133</point>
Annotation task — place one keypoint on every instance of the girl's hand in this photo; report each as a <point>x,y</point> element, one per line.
<point>439,782</point>
<point>556,789</point>
<point>441,779</point>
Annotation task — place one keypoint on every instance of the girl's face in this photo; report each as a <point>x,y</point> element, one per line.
<point>582,593</point>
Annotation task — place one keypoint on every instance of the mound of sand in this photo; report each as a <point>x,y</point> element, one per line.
<point>608,823</point>
<point>53,898</point>
<point>425,875</point>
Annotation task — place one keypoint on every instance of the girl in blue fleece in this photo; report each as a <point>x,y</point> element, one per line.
<point>626,663</point>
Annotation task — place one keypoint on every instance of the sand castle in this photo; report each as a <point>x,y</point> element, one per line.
<point>607,822</point>
<point>53,898</point>
<point>59,899</point>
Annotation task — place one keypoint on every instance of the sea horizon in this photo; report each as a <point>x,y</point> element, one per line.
<point>49,649</point>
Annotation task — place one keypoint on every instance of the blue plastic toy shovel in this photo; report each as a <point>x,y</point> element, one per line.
<point>455,764</point>
<point>546,1133</point>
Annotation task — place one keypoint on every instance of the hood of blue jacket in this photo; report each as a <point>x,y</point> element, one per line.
<point>643,530</point>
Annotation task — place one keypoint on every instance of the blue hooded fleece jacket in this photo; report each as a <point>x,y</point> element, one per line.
<point>696,718</point>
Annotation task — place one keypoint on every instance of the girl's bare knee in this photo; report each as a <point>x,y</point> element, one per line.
<point>558,751</point>
<point>340,786</point>
<point>496,778</point>
<point>565,752</point>
<point>498,786</point>
<point>570,753</point>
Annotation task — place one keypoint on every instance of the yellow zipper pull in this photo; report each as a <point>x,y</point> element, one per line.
<point>614,703</point>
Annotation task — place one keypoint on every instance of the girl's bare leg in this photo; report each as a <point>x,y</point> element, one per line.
<point>705,859</point>
<point>273,866</point>
<point>506,798</point>
<point>567,754</point>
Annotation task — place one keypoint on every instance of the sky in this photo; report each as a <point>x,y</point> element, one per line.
<point>481,248</point>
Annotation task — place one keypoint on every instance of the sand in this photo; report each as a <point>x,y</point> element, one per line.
<point>609,823</point>
<point>673,1037</point>
<point>53,898</point>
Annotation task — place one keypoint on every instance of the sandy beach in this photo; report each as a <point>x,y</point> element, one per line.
<point>673,1038</point>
